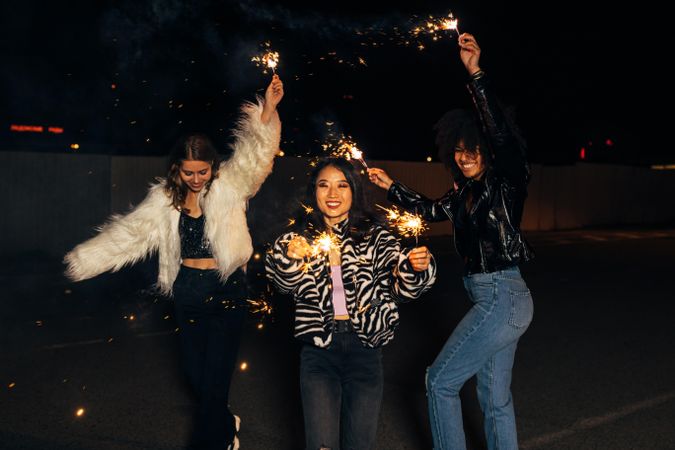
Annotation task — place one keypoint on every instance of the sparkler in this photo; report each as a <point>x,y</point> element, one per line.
<point>268,59</point>
<point>346,148</point>
<point>433,26</point>
<point>324,243</point>
<point>408,224</point>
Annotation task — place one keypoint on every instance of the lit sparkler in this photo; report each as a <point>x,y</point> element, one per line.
<point>346,148</point>
<point>451,24</point>
<point>434,27</point>
<point>268,60</point>
<point>324,243</point>
<point>407,223</point>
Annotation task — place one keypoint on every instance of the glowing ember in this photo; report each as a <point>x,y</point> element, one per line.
<point>406,223</point>
<point>324,243</point>
<point>346,148</point>
<point>268,59</point>
<point>432,27</point>
<point>243,366</point>
<point>79,412</point>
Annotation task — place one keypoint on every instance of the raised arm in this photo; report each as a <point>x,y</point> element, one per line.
<point>401,195</point>
<point>507,150</point>
<point>257,137</point>
<point>123,240</point>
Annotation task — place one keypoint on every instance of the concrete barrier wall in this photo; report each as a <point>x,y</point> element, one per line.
<point>55,200</point>
<point>52,201</point>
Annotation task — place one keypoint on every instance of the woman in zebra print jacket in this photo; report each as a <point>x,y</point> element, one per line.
<point>345,304</point>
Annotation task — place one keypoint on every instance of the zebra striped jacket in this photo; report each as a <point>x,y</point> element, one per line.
<point>376,275</point>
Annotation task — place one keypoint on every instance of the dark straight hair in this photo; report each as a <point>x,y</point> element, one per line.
<point>361,215</point>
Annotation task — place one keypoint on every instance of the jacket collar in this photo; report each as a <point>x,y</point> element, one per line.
<point>341,228</point>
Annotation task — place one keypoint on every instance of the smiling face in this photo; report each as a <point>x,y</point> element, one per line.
<point>195,174</point>
<point>470,162</point>
<point>333,195</point>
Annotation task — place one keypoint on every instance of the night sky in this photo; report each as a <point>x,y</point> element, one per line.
<point>129,77</point>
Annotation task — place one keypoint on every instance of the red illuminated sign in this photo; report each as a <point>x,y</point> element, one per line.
<point>34,129</point>
<point>27,128</point>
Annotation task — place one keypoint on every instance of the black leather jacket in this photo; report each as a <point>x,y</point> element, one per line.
<point>488,237</point>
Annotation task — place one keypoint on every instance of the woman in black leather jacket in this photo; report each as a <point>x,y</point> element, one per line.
<point>485,205</point>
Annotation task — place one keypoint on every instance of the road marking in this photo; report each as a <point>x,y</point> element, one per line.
<point>104,340</point>
<point>596,421</point>
<point>74,344</point>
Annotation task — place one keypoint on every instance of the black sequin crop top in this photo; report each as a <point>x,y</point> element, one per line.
<point>193,243</point>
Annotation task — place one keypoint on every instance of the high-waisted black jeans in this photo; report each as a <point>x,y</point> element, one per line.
<point>210,316</point>
<point>341,390</point>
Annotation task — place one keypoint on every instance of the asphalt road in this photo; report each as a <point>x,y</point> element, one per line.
<point>596,369</point>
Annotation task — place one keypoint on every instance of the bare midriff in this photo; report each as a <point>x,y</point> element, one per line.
<point>200,263</point>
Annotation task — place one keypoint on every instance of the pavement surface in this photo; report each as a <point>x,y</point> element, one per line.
<point>595,370</point>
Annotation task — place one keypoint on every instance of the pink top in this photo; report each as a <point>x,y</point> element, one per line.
<point>339,300</point>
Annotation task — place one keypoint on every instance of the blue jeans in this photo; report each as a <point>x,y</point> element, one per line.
<point>483,344</point>
<point>341,390</point>
<point>210,331</point>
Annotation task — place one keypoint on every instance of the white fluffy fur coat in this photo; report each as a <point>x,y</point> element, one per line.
<point>153,224</point>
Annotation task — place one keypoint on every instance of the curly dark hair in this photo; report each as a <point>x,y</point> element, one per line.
<point>464,125</point>
<point>192,147</point>
<point>361,216</point>
<point>460,125</point>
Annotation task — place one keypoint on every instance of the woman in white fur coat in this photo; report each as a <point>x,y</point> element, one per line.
<point>196,220</point>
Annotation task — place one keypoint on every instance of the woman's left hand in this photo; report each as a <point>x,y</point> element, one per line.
<point>469,52</point>
<point>273,95</point>
<point>419,258</point>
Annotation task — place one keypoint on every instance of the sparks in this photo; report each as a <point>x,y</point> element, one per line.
<point>408,224</point>
<point>267,60</point>
<point>324,243</point>
<point>345,147</point>
<point>433,28</point>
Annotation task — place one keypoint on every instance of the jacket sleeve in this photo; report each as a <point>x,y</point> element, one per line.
<point>430,210</point>
<point>256,143</point>
<point>406,284</point>
<point>508,151</point>
<point>284,273</point>
<point>123,240</point>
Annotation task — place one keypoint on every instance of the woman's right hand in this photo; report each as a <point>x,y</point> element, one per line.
<point>298,248</point>
<point>273,95</point>
<point>380,178</point>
